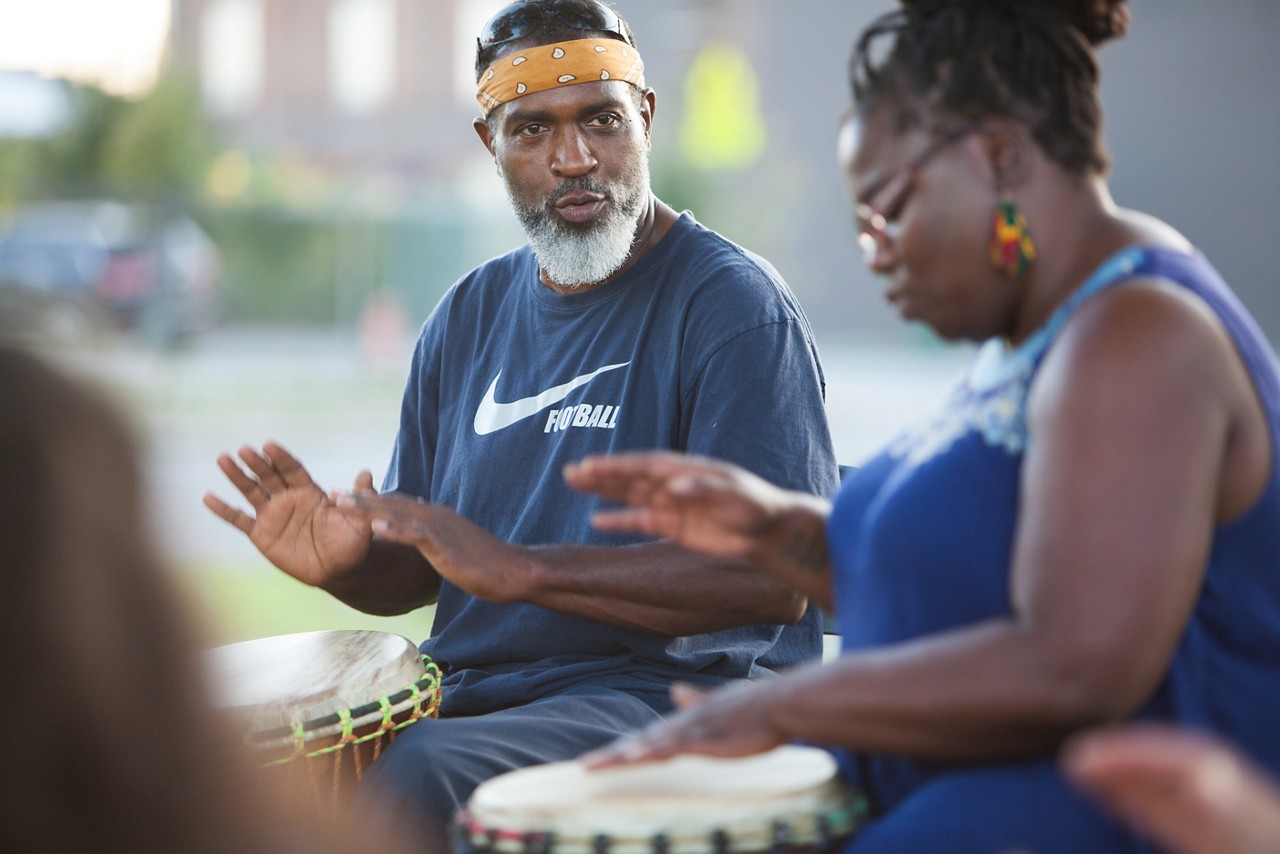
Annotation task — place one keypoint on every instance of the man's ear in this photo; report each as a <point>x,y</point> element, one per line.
<point>648,106</point>
<point>486,135</point>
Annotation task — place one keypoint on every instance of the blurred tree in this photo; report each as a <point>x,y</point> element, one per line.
<point>156,146</point>
<point>160,145</point>
<point>19,162</point>
<point>62,164</point>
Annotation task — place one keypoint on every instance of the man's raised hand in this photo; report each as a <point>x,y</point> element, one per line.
<point>294,523</point>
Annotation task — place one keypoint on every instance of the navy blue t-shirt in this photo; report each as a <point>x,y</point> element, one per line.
<point>699,347</point>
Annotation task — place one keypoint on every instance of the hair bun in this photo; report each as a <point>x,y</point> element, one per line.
<point>1097,20</point>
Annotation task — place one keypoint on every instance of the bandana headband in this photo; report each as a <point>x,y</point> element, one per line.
<point>550,66</point>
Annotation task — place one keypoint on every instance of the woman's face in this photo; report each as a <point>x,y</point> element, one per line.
<point>924,204</point>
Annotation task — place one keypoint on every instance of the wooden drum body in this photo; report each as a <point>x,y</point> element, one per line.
<point>320,705</point>
<point>788,799</point>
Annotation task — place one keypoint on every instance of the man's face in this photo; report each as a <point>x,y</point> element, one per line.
<point>575,161</point>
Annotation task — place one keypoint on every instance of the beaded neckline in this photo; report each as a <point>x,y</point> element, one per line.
<point>995,363</point>
<point>991,401</point>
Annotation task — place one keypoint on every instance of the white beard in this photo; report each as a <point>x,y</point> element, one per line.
<point>573,255</point>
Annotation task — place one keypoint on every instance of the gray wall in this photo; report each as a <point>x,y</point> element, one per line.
<point>1192,125</point>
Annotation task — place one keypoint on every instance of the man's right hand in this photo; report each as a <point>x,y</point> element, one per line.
<point>295,524</point>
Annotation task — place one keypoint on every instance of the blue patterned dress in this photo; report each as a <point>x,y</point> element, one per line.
<point>921,538</point>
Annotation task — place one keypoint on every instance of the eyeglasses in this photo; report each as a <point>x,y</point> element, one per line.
<point>874,217</point>
<point>523,17</point>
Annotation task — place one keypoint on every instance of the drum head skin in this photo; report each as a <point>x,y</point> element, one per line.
<point>686,800</point>
<point>273,682</point>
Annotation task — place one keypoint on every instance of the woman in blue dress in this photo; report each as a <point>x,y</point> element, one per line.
<point>1088,532</point>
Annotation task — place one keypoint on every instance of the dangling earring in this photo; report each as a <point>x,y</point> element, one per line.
<point>1011,250</point>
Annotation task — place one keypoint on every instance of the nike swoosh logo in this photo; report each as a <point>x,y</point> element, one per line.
<point>492,416</point>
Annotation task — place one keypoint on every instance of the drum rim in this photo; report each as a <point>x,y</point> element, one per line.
<point>836,820</point>
<point>799,800</point>
<point>425,690</point>
<point>257,681</point>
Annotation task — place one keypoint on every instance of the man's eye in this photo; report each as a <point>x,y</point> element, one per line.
<point>607,120</point>
<point>532,129</point>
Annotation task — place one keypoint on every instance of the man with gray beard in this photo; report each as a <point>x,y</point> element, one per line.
<point>621,326</point>
<point>574,254</point>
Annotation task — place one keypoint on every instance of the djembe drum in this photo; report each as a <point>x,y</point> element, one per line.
<point>319,706</point>
<point>789,799</point>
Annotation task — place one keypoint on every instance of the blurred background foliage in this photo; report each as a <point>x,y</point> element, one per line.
<point>156,145</point>
<point>298,246</point>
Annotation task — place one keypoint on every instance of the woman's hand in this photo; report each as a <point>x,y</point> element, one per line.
<point>730,721</point>
<point>1186,789</point>
<point>704,505</point>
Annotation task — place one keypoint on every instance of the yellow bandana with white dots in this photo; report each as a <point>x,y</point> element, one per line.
<point>550,66</point>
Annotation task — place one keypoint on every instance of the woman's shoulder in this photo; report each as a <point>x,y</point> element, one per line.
<point>1147,340</point>
<point>1143,229</point>
<point>1140,299</point>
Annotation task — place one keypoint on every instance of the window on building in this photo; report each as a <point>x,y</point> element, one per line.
<point>362,54</point>
<point>469,17</point>
<point>231,55</point>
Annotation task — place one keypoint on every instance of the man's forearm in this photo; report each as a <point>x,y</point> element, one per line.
<point>393,579</point>
<point>658,587</point>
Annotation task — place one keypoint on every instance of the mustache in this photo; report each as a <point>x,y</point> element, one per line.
<point>578,185</point>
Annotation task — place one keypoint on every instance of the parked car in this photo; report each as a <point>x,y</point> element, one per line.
<point>111,260</point>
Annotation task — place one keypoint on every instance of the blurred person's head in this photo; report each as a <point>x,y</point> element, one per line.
<point>110,738</point>
<point>105,731</point>
<point>567,119</point>
<point>962,108</point>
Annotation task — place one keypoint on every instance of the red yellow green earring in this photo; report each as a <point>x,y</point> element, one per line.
<point>1011,250</point>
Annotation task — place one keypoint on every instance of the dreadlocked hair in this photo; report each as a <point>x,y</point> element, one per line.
<point>1031,61</point>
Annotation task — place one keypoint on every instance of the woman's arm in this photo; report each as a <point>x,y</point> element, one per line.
<point>714,508</point>
<point>1143,429</point>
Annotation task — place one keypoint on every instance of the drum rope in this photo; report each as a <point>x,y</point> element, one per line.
<point>424,697</point>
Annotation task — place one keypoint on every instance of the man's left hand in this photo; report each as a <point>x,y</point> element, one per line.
<point>457,548</point>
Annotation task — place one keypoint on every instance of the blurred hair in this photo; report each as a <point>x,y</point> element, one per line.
<point>1033,61</point>
<point>104,732</point>
<point>109,734</point>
